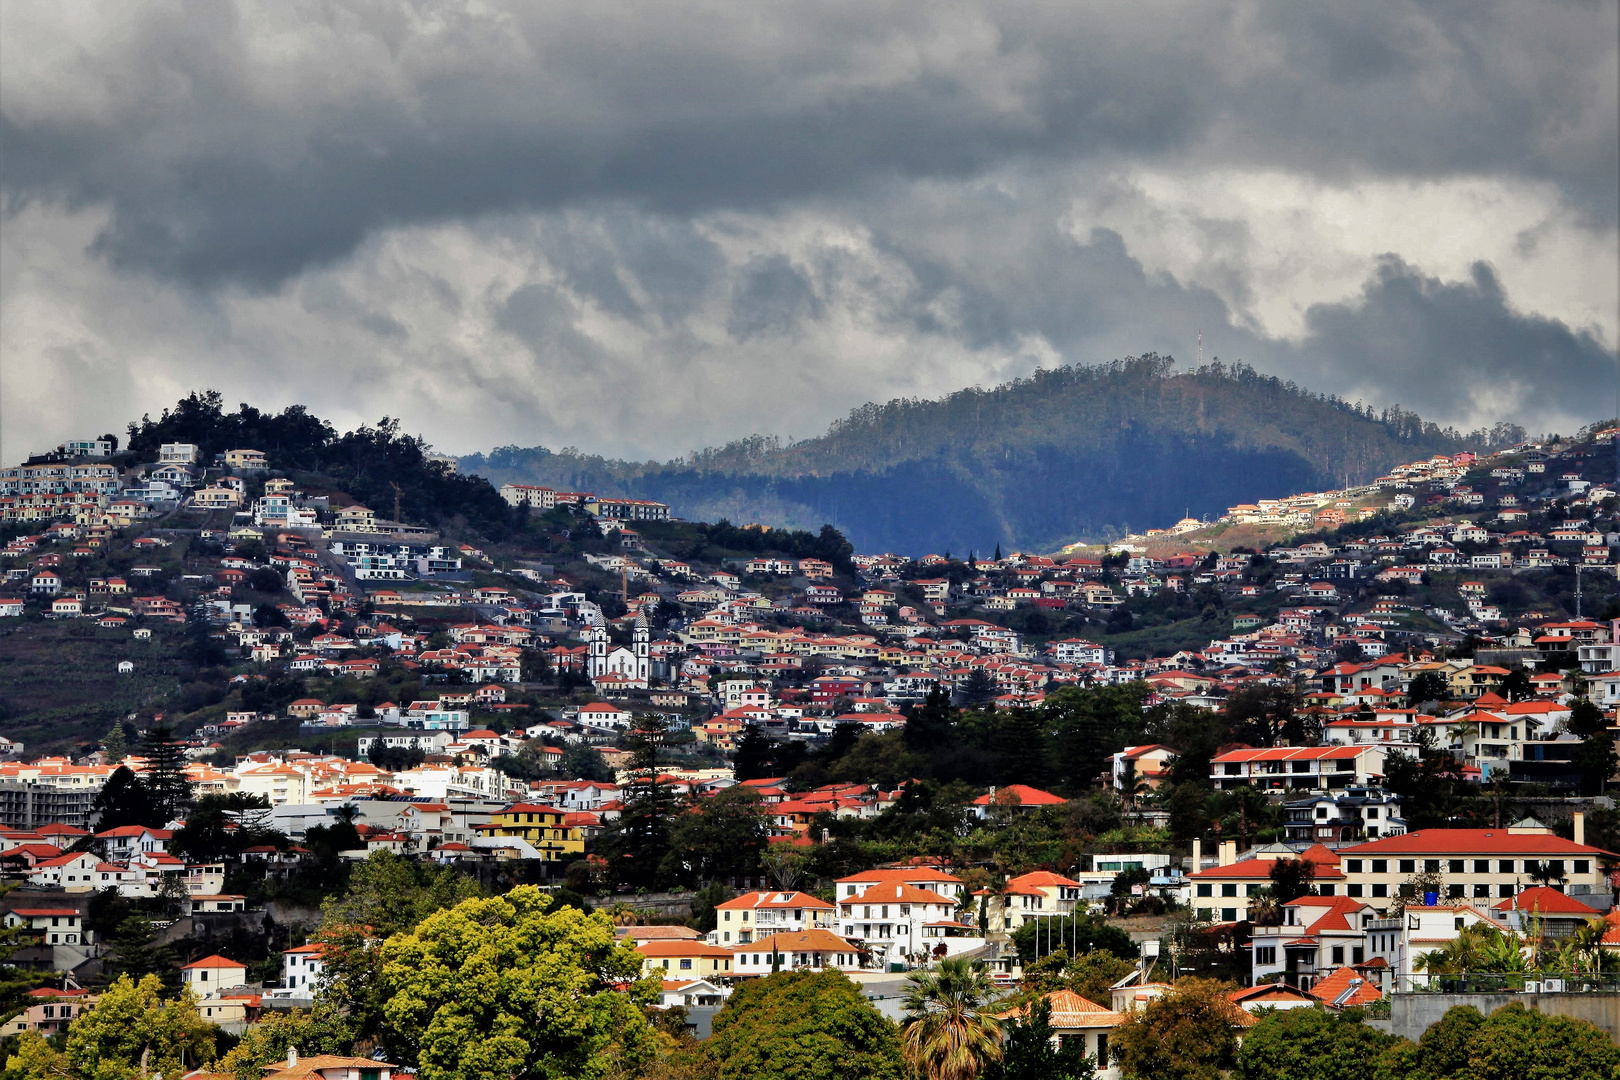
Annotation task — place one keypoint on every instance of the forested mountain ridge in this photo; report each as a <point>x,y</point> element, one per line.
<point>1072,452</point>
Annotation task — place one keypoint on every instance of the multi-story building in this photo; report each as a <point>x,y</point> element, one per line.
<point>1030,898</point>
<point>1358,814</point>
<point>756,915</point>
<point>1472,864</point>
<point>546,829</point>
<point>1299,768</point>
<point>1318,935</point>
<point>1223,893</point>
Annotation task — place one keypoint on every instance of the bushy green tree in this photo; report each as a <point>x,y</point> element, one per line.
<point>1187,1034</point>
<point>1310,1044</point>
<point>722,837</point>
<point>133,1030</point>
<point>508,986</point>
<point>802,1025</point>
<point>386,895</point>
<point>321,1030</point>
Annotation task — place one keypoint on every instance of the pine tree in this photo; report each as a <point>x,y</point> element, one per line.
<point>114,746</point>
<point>641,840</point>
<point>165,783</point>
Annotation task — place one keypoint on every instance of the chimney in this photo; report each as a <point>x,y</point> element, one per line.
<point>292,1056</point>
<point>1580,826</point>
<point>1198,855</point>
<point>1228,852</point>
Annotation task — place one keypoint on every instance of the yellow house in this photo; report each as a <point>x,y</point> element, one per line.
<point>546,829</point>
<point>685,959</point>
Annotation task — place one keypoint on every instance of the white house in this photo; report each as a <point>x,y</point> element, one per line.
<point>207,975</point>
<point>302,968</point>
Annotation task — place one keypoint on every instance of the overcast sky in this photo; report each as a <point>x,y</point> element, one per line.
<point>642,228</point>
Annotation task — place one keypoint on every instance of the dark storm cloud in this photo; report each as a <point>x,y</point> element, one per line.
<point>1453,349</point>
<point>225,158</point>
<point>646,227</point>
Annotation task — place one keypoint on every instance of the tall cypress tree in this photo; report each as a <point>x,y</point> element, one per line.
<point>166,785</point>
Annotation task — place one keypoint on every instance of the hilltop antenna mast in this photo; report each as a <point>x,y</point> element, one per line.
<point>1200,347</point>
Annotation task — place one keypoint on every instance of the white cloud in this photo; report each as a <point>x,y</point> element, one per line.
<point>1271,243</point>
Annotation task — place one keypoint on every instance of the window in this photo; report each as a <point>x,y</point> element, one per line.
<point>1234,770</point>
<point>1504,866</point>
<point>1372,813</point>
<point>1431,866</point>
<point>728,916</point>
<point>1504,891</point>
<point>1352,890</point>
<point>686,965</point>
<point>1380,890</point>
<point>1482,866</point>
<point>1406,866</point>
<point>1557,865</point>
<point>1302,766</point>
<point>1102,1048</point>
<point>1206,889</point>
<point>1228,914</point>
<point>1265,955</point>
<point>1251,888</point>
<point>1229,889</point>
<point>1583,866</point>
<point>1352,866</point>
<point>1321,811</point>
<point>1206,914</point>
<point>1325,890</point>
<point>1455,866</point>
<point>1338,954</point>
<point>1380,866</point>
<point>1482,892</point>
<point>1358,955</point>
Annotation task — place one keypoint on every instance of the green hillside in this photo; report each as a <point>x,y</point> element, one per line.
<point>1075,452</point>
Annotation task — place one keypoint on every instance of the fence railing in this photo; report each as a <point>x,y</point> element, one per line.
<point>1529,982</point>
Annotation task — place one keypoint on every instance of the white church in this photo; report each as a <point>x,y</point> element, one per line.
<point>621,668</point>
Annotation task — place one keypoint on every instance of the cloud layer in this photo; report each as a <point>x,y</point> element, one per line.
<point>646,228</point>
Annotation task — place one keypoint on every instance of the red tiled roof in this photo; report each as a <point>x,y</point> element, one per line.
<point>215,961</point>
<point>1027,796</point>
<point>1345,988</point>
<point>1470,842</point>
<point>1547,901</point>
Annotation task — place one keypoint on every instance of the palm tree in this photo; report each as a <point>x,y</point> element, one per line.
<point>1264,910</point>
<point>947,1035</point>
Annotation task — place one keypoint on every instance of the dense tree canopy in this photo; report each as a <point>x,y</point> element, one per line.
<point>1187,1034</point>
<point>511,986</point>
<point>802,1025</point>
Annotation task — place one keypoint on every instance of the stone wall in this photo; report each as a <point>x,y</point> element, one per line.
<point>1412,1014</point>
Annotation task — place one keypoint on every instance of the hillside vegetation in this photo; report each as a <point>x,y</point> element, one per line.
<point>1075,452</point>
